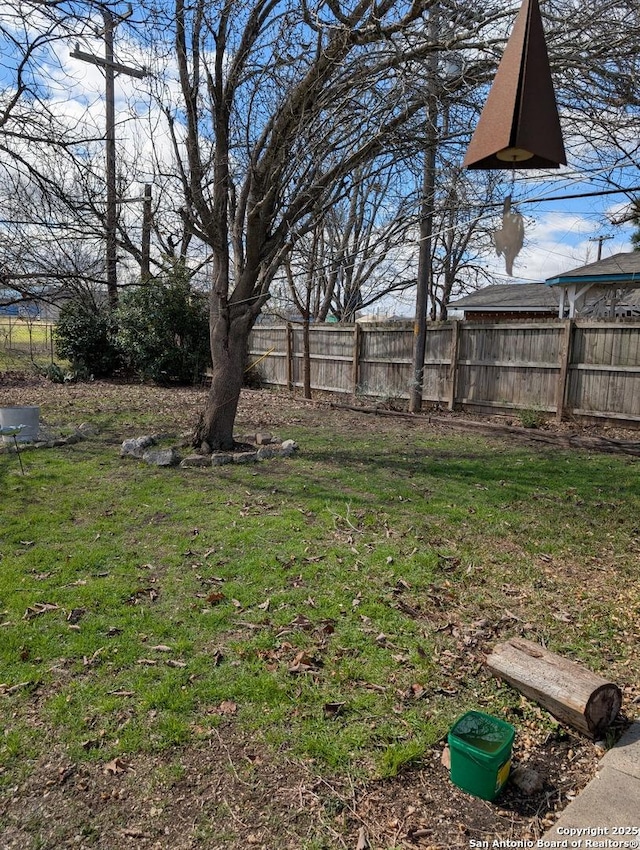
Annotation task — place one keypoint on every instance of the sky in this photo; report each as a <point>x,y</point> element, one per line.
<point>559,235</point>
<point>564,234</point>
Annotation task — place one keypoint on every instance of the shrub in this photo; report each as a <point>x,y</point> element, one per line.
<point>253,378</point>
<point>85,336</point>
<point>163,330</point>
<point>532,418</point>
<point>54,373</point>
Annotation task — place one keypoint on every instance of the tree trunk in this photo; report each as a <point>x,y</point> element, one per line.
<point>229,353</point>
<point>569,691</point>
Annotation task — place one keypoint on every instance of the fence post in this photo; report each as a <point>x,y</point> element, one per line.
<point>563,375</point>
<point>453,365</point>
<point>355,371</point>
<point>289,357</point>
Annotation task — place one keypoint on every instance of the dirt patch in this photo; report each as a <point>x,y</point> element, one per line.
<point>178,408</point>
<point>233,792</point>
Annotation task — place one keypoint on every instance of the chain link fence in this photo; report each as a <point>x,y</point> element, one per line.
<point>31,337</point>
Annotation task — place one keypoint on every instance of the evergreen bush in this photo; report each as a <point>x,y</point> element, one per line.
<point>85,336</point>
<point>163,330</point>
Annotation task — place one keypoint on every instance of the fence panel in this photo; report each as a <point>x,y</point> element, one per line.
<point>268,345</point>
<point>581,367</point>
<point>384,360</point>
<point>331,351</point>
<point>437,372</point>
<point>604,373</point>
<point>509,364</point>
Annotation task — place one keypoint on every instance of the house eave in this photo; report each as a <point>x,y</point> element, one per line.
<point>567,280</point>
<point>505,309</point>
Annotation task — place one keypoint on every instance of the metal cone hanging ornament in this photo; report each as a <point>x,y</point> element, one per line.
<point>519,126</point>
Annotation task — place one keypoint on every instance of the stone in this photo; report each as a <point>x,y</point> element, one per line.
<point>221,458</point>
<point>195,460</point>
<point>445,757</point>
<point>161,457</point>
<point>264,447</point>
<point>88,429</point>
<point>265,453</point>
<point>527,780</point>
<point>136,446</point>
<point>245,457</point>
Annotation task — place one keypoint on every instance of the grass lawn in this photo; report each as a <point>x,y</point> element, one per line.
<point>335,607</point>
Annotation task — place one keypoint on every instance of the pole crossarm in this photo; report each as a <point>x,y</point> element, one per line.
<point>117,67</point>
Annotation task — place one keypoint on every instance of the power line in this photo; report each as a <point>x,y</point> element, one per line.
<point>567,197</point>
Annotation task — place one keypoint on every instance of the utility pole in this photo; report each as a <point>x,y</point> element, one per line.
<point>111,213</point>
<point>145,262</point>
<point>427,204</point>
<point>599,240</point>
<point>111,67</point>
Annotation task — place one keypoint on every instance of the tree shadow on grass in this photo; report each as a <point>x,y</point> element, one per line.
<point>512,474</point>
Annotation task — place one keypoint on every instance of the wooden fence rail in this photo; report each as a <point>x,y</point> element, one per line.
<point>572,367</point>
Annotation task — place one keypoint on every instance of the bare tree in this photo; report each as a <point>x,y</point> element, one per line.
<point>46,243</point>
<point>461,240</point>
<point>280,104</point>
<point>594,52</point>
<point>356,253</point>
<point>598,90</point>
<point>52,151</point>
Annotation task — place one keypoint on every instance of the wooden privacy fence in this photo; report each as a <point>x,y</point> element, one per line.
<point>572,367</point>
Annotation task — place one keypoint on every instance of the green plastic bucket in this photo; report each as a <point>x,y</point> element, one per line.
<point>480,747</point>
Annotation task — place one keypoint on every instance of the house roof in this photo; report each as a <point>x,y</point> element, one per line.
<point>619,268</point>
<point>510,297</point>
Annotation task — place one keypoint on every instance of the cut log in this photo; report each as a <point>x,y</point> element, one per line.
<point>573,694</point>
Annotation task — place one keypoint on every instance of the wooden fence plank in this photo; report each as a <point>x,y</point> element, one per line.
<point>565,359</point>
<point>579,367</point>
<point>357,343</point>
<point>453,365</point>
